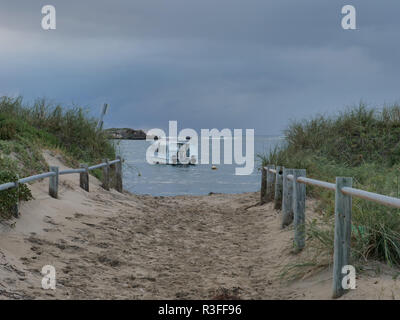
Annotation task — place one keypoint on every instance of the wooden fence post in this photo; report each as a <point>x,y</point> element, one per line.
<point>270,184</point>
<point>287,195</point>
<point>278,188</point>
<point>84,177</point>
<point>118,175</point>
<point>53,183</point>
<point>106,175</point>
<point>299,207</point>
<point>15,209</point>
<point>263,189</point>
<point>342,234</point>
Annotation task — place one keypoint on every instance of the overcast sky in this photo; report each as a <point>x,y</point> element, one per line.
<point>206,63</point>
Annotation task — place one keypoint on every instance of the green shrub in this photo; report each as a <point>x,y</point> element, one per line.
<point>8,129</point>
<point>8,198</point>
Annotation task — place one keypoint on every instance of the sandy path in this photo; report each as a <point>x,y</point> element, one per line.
<point>106,245</point>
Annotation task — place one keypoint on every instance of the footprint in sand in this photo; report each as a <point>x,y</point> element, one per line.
<point>49,220</point>
<point>78,215</point>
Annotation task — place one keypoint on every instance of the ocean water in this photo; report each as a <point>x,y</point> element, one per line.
<point>165,180</point>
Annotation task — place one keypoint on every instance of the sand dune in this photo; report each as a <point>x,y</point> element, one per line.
<point>107,245</point>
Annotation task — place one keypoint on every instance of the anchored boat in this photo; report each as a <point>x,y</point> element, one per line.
<point>174,151</point>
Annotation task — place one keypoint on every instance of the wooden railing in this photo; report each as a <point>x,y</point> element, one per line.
<point>287,189</point>
<point>109,168</point>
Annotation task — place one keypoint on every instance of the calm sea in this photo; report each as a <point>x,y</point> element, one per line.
<point>165,180</point>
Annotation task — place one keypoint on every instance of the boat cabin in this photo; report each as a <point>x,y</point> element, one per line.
<point>175,151</point>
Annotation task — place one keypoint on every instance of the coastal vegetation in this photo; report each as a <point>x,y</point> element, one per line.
<point>26,130</point>
<point>362,143</point>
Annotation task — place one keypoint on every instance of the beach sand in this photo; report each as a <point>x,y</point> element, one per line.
<point>108,245</point>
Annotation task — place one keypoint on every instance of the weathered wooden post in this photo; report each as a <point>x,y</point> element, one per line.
<point>341,254</point>
<point>84,177</point>
<point>106,175</point>
<point>118,175</point>
<point>53,183</point>
<point>287,195</point>
<point>103,112</point>
<point>263,189</point>
<point>270,184</point>
<point>299,208</point>
<point>15,209</point>
<point>278,188</point>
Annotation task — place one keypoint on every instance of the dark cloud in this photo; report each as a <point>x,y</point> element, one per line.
<point>226,63</point>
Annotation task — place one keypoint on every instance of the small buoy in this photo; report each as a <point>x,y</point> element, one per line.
<point>213,168</point>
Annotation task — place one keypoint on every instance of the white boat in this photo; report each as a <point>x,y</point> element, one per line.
<point>175,151</point>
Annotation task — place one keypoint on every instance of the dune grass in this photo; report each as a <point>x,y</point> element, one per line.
<point>70,129</point>
<point>25,130</point>
<point>361,143</point>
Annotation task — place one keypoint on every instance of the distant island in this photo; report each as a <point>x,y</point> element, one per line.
<point>126,134</point>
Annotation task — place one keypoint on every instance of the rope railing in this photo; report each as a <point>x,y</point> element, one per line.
<point>286,188</point>
<point>114,166</point>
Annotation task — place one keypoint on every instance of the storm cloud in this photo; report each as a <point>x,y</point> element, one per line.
<point>224,64</point>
